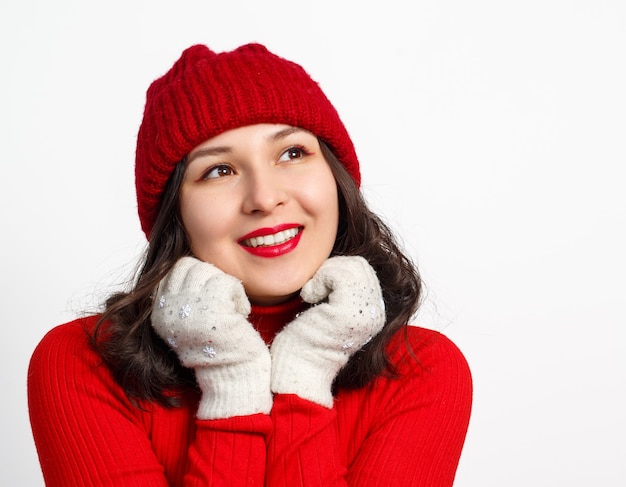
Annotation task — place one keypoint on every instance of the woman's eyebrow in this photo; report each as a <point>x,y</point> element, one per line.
<point>209,151</point>
<point>281,134</point>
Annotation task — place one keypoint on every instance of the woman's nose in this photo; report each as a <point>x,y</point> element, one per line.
<point>264,192</point>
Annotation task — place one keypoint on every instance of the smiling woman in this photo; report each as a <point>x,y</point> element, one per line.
<point>265,339</point>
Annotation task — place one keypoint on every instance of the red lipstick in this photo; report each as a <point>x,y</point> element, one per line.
<point>272,242</point>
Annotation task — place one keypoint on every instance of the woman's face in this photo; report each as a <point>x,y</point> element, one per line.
<point>260,203</point>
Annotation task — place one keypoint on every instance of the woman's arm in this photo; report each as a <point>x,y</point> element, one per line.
<point>404,431</point>
<point>88,433</point>
<point>416,423</point>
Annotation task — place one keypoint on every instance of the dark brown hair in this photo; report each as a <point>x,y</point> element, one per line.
<point>147,369</point>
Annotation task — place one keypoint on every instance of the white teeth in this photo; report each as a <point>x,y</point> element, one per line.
<point>274,239</point>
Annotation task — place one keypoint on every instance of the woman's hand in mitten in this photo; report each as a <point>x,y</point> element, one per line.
<point>348,311</point>
<point>201,312</point>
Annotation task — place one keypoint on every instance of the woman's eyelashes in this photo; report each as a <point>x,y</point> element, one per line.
<point>217,171</point>
<point>294,152</point>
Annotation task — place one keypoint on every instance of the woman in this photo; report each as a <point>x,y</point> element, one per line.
<point>265,338</point>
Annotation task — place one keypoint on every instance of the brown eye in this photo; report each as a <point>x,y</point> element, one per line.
<point>292,153</point>
<point>219,171</point>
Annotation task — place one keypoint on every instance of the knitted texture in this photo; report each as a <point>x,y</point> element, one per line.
<point>399,431</point>
<point>309,352</point>
<point>207,93</point>
<point>201,313</point>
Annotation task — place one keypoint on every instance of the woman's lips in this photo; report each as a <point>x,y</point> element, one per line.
<point>272,242</point>
<point>273,239</point>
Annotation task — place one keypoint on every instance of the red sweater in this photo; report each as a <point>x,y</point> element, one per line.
<point>407,431</point>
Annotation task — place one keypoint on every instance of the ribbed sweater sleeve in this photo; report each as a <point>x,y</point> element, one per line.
<point>88,433</point>
<point>404,431</point>
<point>229,452</point>
<point>420,419</point>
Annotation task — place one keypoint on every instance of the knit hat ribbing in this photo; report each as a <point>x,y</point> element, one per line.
<point>207,93</point>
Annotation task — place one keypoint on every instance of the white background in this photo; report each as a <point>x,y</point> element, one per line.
<point>491,136</point>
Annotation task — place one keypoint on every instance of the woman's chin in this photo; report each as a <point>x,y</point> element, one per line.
<point>271,299</point>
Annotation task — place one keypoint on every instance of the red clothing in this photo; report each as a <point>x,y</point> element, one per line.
<point>407,431</point>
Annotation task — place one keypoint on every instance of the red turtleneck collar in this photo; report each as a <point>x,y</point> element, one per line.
<point>269,320</point>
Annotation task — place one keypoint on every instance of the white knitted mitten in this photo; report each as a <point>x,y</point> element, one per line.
<point>309,352</point>
<point>201,312</point>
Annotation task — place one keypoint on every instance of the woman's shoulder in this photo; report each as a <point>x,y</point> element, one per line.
<point>65,351</point>
<point>417,351</point>
<point>428,384</point>
<point>65,370</point>
<point>68,338</point>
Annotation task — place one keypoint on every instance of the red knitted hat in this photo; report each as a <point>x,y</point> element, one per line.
<point>207,93</point>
